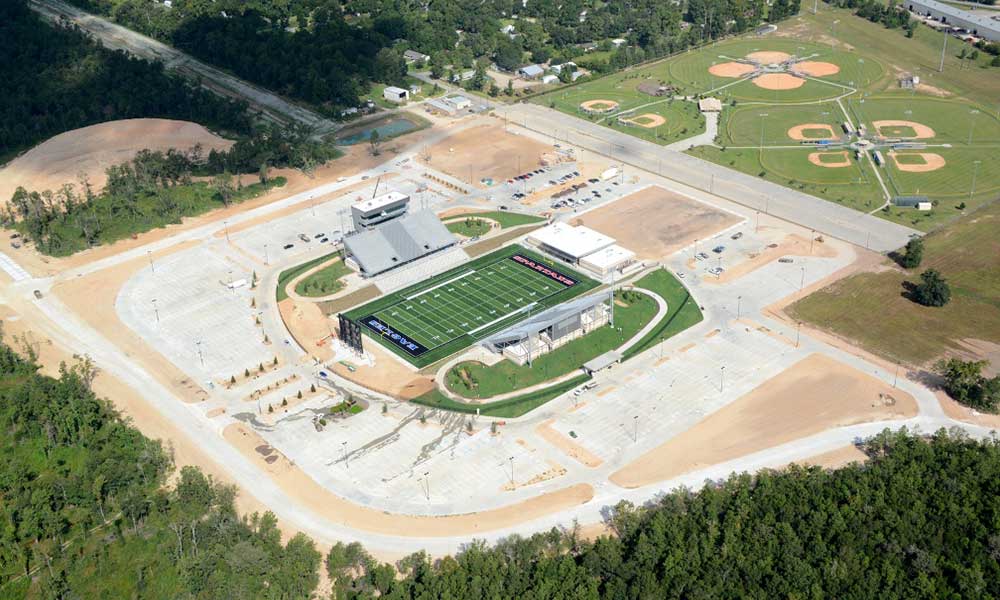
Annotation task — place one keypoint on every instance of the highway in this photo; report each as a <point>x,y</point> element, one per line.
<point>825,217</point>
<point>117,37</point>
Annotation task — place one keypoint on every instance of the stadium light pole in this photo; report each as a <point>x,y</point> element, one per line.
<point>762,117</point>
<point>972,119</point>
<point>975,170</point>
<point>943,47</point>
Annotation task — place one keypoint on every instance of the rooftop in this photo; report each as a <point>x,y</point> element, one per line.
<point>951,11</point>
<point>572,241</point>
<point>380,201</point>
<point>610,257</point>
<point>398,242</point>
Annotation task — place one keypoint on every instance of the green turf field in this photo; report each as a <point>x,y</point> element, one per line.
<point>438,317</point>
<point>746,125</point>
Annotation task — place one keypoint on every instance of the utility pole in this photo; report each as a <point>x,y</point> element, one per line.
<point>943,46</point>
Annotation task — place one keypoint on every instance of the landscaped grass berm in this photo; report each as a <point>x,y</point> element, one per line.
<point>446,313</point>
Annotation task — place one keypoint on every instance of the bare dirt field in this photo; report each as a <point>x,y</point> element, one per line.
<point>815,68</point>
<point>834,459</point>
<point>731,69</point>
<point>920,131</point>
<point>567,446</point>
<point>778,81</point>
<point>767,57</point>
<point>798,133</point>
<point>647,120</point>
<point>302,488</point>
<point>791,245</point>
<point>931,162</point>
<point>822,159</point>
<point>485,151</point>
<point>815,394</point>
<point>655,222</point>
<point>93,149</point>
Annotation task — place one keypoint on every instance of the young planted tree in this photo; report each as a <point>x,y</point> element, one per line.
<point>933,289</point>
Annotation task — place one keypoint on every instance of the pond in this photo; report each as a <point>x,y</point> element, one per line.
<point>386,129</point>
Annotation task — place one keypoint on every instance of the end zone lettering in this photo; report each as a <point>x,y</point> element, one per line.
<point>384,331</point>
<point>544,270</point>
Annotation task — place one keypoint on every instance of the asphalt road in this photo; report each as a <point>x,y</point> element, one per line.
<point>824,217</point>
<point>117,37</point>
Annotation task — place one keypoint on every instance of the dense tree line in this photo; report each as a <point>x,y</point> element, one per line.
<point>327,52</point>
<point>84,512</point>
<point>891,14</point>
<point>155,189</point>
<point>57,79</point>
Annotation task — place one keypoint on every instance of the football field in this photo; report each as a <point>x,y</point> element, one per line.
<point>428,321</point>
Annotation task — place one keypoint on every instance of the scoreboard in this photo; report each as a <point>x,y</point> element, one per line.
<point>350,333</point>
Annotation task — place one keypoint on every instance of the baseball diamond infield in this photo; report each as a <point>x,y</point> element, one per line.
<point>767,57</point>
<point>647,120</point>
<point>731,69</point>
<point>917,162</point>
<point>816,68</point>
<point>812,131</point>
<point>903,129</point>
<point>599,106</point>
<point>832,160</point>
<point>778,81</point>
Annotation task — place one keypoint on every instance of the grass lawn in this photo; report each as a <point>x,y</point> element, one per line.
<point>481,381</point>
<point>682,310</point>
<point>323,282</point>
<point>469,227</point>
<point>743,125</point>
<point>289,274</point>
<point>446,313</point>
<point>506,409</point>
<point>507,219</point>
<point>869,308</point>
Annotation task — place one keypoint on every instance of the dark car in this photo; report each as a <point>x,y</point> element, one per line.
<point>718,249</point>
<point>289,246</point>
<point>318,235</point>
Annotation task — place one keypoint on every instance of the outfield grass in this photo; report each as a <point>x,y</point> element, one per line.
<point>323,282</point>
<point>505,409</point>
<point>743,125</point>
<point>952,120</point>
<point>869,308</point>
<point>483,381</point>
<point>450,311</point>
<point>682,310</point>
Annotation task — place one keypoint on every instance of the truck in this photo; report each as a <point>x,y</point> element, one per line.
<point>878,158</point>
<point>609,173</point>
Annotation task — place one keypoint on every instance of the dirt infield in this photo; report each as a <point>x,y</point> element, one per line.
<point>778,81</point>
<point>484,151</point>
<point>813,395</point>
<point>816,158</point>
<point>919,131</point>
<point>655,222</point>
<point>932,162</point>
<point>798,133</point>
<point>93,149</point>
<point>731,69</point>
<point>816,69</point>
<point>599,106</point>
<point>647,120</point>
<point>766,57</point>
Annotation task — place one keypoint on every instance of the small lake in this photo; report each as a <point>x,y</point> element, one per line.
<point>385,129</point>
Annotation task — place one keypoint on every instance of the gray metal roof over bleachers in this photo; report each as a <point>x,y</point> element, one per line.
<point>398,242</point>
<point>538,322</point>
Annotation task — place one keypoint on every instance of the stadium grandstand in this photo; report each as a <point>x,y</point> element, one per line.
<point>396,243</point>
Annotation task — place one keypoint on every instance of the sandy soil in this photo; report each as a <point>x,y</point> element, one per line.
<point>767,57</point>
<point>815,394</point>
<point>922,131</point>
<point>306,323</point>
<point>357,159</point>
<point>927,88</point>
<point>599,105</point>
<point>567,445</point>
<point>318,499</point>
<point>845,161</point>
<point>932,162</point>
<point>834,459</point>
<point>485,151</point>
<point>815,68</point>
<point>655,222</point>
<point>647,120</point>
<point>778,81</point>
<point>93,149</point>
<point>92,299</point>
<point>964,413</point>
<point>797,133</point>
<point>731,69</point>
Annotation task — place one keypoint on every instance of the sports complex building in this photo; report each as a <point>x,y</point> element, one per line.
<point>591,250</point>
<point>396,242</point>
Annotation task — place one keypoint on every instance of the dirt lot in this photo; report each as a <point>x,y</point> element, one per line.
<point>815,394</point>
<point>655,222</point>
<point>484,151</point>
<point>305,490</point>
<point>792,245</point>
<point>93,149</point>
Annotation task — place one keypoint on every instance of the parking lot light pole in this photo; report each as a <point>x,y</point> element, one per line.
<point>739,302</point>
<point>266,260</point>
<point>802,280</point>
<point>427,486</point>
<point>511,460</point>
<point>152,268</point>
<point>225,226</point>
<point>722,378</point>
<point>156,311</point>
<point>798,332</point>
<point>200,355</point>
